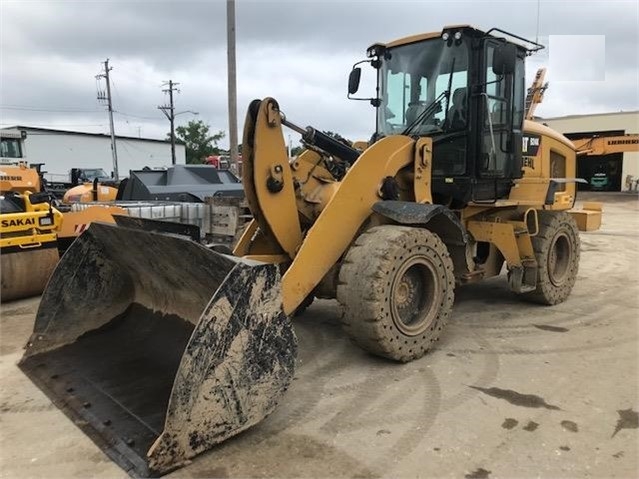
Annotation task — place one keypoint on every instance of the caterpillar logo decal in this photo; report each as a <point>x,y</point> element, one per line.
<point>530,145</point>
<point>18,222</point>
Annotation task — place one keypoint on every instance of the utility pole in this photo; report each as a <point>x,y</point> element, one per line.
<point>107,98</point>
<point>232,87</point>
<point>169,112</point>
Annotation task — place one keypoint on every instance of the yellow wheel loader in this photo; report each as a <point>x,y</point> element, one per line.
<point>28,243</point>
<point>159,348</point>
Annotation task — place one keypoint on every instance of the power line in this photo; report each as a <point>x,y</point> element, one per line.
<point>136,116</point>
<point>57,110</point>
<point>47,110</point>
<point>35,125</point>
<point>62,110</point>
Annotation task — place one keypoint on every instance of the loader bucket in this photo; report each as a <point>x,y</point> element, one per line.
<point>159,348</point>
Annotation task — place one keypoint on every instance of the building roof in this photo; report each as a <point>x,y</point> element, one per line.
<point>570,117</point>
<point>84,133</point>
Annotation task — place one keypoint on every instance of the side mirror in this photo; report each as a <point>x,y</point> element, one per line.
<point>504,59</point>
<point>353,80</point>
<point>112,175</point>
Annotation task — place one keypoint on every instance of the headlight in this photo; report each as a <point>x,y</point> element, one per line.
<point>46,221</point>
<point>445,36</point>
<point>457,35</point>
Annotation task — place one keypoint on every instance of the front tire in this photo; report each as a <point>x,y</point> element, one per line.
<point>396,287</point>
<point>557,250</point>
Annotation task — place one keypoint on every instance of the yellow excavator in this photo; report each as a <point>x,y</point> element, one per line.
<point>159,348</point>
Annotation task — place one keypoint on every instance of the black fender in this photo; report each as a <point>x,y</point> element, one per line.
<point>445,222</point>
<point>437,218</point>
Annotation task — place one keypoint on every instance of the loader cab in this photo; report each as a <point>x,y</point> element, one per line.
<point>465,88</point>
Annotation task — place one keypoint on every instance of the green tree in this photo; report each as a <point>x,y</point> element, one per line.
<point>338,137</point>
<point>296,150</point>
<point>199,141</point>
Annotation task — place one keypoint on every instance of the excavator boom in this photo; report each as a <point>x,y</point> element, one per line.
<point>606,145</point>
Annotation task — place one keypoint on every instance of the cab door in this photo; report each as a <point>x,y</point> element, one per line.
<point>501,107</point>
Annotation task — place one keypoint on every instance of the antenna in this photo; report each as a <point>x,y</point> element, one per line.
<point>538,9</point>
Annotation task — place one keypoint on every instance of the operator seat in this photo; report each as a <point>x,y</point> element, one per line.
<point>457,113</point>
<point>413,111</point>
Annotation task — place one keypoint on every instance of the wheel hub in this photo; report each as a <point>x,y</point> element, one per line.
<point>415,296</point>
<point>405,293</point>
<point>559,259</point>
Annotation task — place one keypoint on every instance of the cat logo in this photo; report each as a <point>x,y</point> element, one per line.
<point>18,222</point>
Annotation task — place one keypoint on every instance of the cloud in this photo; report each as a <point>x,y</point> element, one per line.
<point>298,52</point>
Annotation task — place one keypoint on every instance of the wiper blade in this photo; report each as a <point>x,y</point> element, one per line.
<point>448,92</point>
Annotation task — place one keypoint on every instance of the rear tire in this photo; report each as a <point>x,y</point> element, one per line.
<point>396,287</point>
<point>557,250</point>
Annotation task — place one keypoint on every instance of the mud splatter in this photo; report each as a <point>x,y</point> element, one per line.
<point>509,423</point>
<point>451,355</point>
<point>381,432</point>
<point>479,473</point>
<point>554,329</point>
<point>531,426</point>
<point>570,426</point>
<point>628,419</point>
<point>518,399</point>
<point>564,448</point>
<point>618,455</point>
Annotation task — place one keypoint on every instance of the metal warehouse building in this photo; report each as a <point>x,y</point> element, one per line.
<point>62,150</point>
<point>617,166</point>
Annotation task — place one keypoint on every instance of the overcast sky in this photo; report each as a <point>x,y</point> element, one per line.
<point>299,52</point>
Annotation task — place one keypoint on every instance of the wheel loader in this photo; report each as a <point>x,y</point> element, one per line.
<point>159,348</point>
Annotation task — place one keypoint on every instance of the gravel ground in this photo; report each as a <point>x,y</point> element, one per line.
<point>512,390</point>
